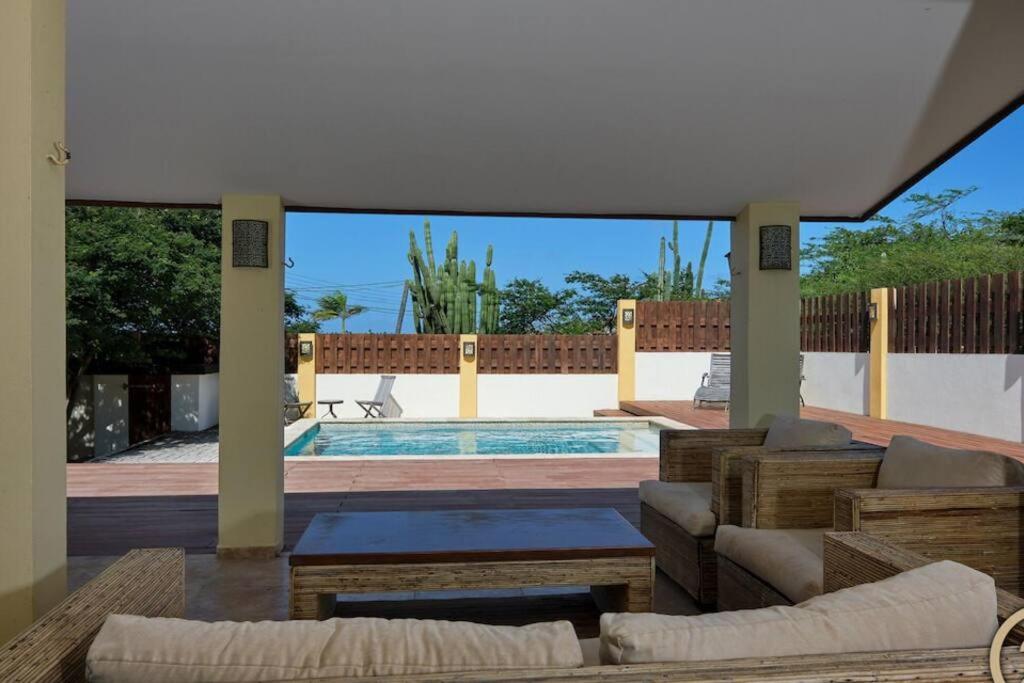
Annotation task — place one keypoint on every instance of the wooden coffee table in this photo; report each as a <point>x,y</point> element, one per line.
<point>371,552</point>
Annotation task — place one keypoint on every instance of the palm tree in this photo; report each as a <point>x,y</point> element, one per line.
<point>335,305</point>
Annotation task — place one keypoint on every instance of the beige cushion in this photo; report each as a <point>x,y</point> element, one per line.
<point>130,648</point>
<point>785,431</point>
<point>591,648</point>
<point>942,605</point>
<point>688,504</point>
<point>790,560</point>
<point>910,463</point>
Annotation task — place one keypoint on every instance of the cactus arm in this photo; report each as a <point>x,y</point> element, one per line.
<point>699,286</point>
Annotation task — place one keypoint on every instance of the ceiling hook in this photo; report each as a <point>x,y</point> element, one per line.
<point>63,155</point>
<point>289,262</point>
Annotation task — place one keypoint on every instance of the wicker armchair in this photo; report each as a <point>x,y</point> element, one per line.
<point>790,498</point>
<point>708,460</point>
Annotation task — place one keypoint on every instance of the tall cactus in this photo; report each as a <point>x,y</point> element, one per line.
<point>444,296</point>
<point>699,287</point>
<point>679,283</point>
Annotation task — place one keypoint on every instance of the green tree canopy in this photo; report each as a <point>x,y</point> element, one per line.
<point>296,316</point>
<point>933,242</point>
<point>336,305</point>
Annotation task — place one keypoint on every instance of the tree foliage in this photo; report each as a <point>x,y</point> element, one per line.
<point>336,305</point>
<point>297,318</point>
<point>933,242</point>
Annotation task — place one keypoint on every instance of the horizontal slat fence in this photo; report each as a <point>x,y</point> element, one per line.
<point>970,315</point>
<point>547,354</point>
<point>836,322</point>
<point>426,354</point>
<point>682,326</point>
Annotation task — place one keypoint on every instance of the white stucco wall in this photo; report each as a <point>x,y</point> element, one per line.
<point>838,381</point>
<point>110,413</point>
<point>194,402</point>
<point>979,394</point>
<point>664,376</point>
<point>545,395</point>
<point>419,395</point>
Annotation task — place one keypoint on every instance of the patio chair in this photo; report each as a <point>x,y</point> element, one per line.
<point>944,503</point>
<point>292,404</point>
<point>714,385</point>
<point>383,404</point>
<point>699,486</point>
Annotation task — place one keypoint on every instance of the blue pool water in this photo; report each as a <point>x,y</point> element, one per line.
<point>484,438</point>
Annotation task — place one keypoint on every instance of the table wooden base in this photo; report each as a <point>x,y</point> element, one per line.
<point>619,584</point>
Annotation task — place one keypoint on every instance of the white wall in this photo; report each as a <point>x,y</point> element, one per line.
<point>419,395</point>
<point>838,381</point>
<point>194,402</point>
<point>545,395</point>
<point>979,394</point>
<point>110,413</point>
<point>81,427</point>
<point>669,376</point>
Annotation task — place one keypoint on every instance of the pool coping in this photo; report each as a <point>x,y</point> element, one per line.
<point>298,429</point>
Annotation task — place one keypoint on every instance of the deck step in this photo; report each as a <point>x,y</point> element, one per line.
<point>632,409</point>
<point>611,412</point>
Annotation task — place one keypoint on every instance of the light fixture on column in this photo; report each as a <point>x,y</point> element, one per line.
<point>628,316</point>
<point>305,349</point>
<point>872,311</point>
<point>469,350</point>
<point>250,244</point>
<point>776,247</point>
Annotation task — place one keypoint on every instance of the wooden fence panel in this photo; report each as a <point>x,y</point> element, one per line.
<point>291,353</point>
<point>970,315</point>
<point>407,354</point>
<point>547,354</point>
<point>682,326</point>
<point>835,322</point>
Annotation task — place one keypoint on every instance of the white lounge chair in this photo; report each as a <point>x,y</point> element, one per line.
<point>383,403</point>
<point>715,384</point>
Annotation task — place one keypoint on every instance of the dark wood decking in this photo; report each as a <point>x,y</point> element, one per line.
<point>863,427</point>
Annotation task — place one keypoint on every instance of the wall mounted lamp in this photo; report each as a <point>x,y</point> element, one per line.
<point>305,349</point>
<point>469,350</point>
<point>628,316</point>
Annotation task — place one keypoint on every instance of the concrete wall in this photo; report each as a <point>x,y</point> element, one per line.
<point>669,376</point>
<point>980,394</point>
<point>419,395</point>
<point>81,423</point>
<point>194,402</point>
<point>545,395</point>
<point>110,413</point>
<point>839,381</point>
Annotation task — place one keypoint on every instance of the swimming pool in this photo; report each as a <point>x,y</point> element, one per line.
<point>478,438</point>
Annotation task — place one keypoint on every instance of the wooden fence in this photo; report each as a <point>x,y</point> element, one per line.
<point>835,322</point>
<point>972,315</point>
<point>291,353</point>
<point>432,354</point>
<point>682,326</point>
<point>547,354</point>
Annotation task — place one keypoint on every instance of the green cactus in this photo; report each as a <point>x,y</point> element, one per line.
<point>444,297</point>
<point>698,288</point>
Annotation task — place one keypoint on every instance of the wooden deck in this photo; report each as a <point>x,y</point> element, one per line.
<point>869,429</point>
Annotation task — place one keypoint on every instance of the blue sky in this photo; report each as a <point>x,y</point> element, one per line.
<point>365,255</point>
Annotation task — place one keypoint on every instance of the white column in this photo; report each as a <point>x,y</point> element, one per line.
<point>251,472</point>
<point>33,502</point>
<point>765,319</point>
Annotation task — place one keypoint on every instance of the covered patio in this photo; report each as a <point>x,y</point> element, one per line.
<point>763,114</point>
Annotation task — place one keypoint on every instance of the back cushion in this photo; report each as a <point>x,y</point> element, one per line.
<point>157,650</point>
<point>938,606</point>
<point>910,464</point>
<point>793,432</point>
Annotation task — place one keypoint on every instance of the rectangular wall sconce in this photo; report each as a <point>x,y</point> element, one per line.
<point>628,316</point>
<point>469,350</point>
<point>872,311</point>
<point>776,247</point>
<point>250,242</point>
<point>305,349</point>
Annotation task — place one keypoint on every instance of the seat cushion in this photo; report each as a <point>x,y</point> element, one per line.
<point>938,606</point>
<point>790,560</point>
<point>785,431</point>
<point>910,463</point>
<point>591,648</point>
<point>688,504</point>
<point>130,648</point>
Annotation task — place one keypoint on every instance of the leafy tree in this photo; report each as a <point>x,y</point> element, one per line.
<point>529,307</point>
<point>597,297</point>
<point>335,305</point>
<point>296,316</point>
<point>933,242</point>
<point>135,274</point>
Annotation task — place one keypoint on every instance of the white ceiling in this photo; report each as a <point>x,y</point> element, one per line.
<point>654,107</point>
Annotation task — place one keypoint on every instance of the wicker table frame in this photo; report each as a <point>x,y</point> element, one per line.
<point>619,584</point>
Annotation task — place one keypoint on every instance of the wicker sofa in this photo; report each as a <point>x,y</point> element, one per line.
<point>151,583</point>
<point>915,495</point>
<point>699,486</point>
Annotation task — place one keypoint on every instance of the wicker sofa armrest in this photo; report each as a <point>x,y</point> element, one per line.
<point>794,489</point>
<point>853,558</point>
<point>727,482</point>
<point>144,582</point>
<point>686,453</point>
<point>981,527</point>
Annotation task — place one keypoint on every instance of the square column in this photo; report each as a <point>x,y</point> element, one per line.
<point>33,492</point>
<point>765,318</point>
<point>251,471</point>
